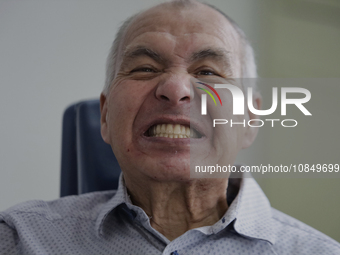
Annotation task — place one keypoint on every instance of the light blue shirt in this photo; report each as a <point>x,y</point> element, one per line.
<point>108,223</point>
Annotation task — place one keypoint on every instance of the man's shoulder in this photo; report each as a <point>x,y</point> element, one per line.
<point>295,235</point>
<point>79,206</point>
<point>32,227</point>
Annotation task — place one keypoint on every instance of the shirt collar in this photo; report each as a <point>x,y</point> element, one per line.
<point>250,211</point>
<point>120,197</point>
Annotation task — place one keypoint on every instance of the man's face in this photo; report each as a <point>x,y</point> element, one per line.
<point>147,113</point>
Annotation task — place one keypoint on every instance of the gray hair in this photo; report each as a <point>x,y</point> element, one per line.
<point>247,58</point>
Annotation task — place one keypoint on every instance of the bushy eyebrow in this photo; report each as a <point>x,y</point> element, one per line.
<point>142,51</point>
<point>218,54</point>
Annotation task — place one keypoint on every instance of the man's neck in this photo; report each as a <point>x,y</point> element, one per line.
<point>176,207</point>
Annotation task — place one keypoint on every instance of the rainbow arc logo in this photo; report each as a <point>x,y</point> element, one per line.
<point>209,93</point>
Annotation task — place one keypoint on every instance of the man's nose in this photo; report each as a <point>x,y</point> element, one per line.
<point>175,89</point>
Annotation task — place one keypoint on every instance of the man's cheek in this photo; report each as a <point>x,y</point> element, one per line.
<point>124,104</point>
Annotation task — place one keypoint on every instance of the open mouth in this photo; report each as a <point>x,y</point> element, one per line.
<point>172,131</point>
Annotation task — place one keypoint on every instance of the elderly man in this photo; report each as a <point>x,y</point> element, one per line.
<point>147,108</point>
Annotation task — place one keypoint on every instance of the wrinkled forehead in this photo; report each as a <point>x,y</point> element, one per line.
<point>179,22</point>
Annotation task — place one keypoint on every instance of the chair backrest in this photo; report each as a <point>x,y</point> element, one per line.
<point>88,163</point>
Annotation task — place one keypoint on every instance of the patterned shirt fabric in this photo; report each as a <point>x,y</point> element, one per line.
<point>108,223</point>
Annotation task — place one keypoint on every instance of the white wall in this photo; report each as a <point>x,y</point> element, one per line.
<point>53,53</point>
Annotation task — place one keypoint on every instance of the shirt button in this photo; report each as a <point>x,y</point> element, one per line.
<point>223,220</point>
<point>174,253</point>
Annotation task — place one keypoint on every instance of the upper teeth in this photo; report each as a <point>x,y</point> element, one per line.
<point>172,131</point>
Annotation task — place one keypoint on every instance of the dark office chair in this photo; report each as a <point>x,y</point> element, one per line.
<point>87,162</point>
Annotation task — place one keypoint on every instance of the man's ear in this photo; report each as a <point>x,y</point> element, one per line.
<point>251,132</point>
<point>104,129</point>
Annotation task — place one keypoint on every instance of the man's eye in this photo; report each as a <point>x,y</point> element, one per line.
<point>206,72</point>
<point>144,69</point>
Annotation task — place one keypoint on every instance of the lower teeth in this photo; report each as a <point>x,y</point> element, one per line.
<point>171,136</point>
